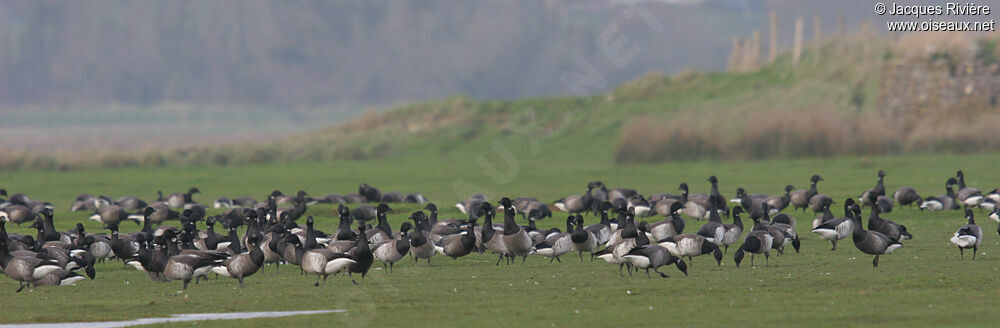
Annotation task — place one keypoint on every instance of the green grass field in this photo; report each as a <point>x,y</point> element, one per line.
<point>922,284</point>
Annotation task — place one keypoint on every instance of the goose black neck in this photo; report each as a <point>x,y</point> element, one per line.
<point>417,237</point>
<point>362,244</point>
<point>487,230</point>
<point>745,201</point>
<point>640,237</point>
<point>630,230</point>
<point>857,232</point>
<point>403,244</point>
<point>40,236</point>
<point>873,216</point>
<point>510,227</point>
<point>50,230</point>
<point>234,241</point>
<point>4,255</point>
<point>310,242</point>
<point>383,224</point>
<point>256,256</point>
<point>433,217</point>
<point>211,240</point>
<point>469,238</point>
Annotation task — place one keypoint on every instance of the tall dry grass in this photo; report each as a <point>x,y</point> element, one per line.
<point>810,132</point>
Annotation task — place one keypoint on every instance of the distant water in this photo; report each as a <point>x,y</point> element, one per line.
<point>171,318</point>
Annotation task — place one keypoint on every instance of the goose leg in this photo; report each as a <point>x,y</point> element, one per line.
<point>834,242</point>
<point>525,258</point>
<point>553,259</point>
<point>277,267</point>
<point>186,281</point>
<point>390,266</point>
<point>620,266</point>
<point>875,262</point>
<point>974,251</point>
<point>647,273</point>
<point>20,287</point>
<point>767,259</point>
<point>317,281</point>
<point>961,252</point>
<point>581,256</point>
<point>242,284</point>
<point>499,259</point>
<point>751,259</point>
<point>429,261</point>
<point>725,250</point>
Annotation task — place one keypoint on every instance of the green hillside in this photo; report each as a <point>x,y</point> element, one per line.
<point>826,105</point>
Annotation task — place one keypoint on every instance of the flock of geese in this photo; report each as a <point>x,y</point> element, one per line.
<point>273,234</point>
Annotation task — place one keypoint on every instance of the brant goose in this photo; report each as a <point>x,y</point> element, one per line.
<point>871,242</point>
<point>967,196</point>
<point>733,230</point>
<point>516,239</point>
<point>691,245</point>
<point>839,228</point>
<point>394,249</point>
<point>576,203</point>
<point>460,244</point>
<point>968,236</point>
<point>800,198</point>
<point>878,190</point>
<point>244,264</point>
<point>362,255</point>
<point>943,202</point>
<point>421,246</point>
<point>584,240</point>
<point>653,257</point>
